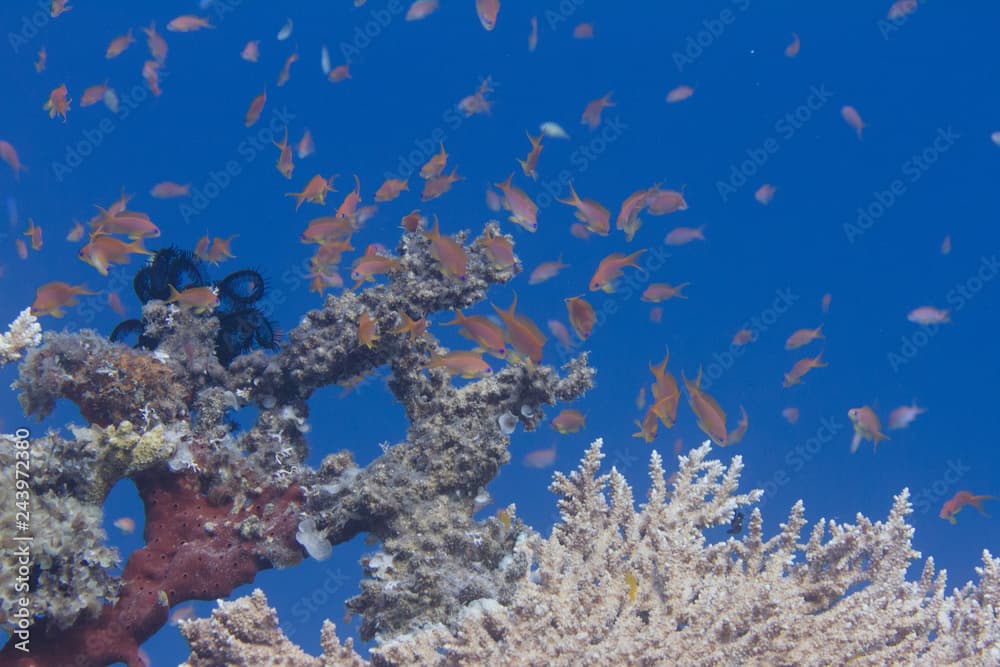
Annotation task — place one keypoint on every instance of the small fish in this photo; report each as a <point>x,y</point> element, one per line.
<point>448,252</point>
<point>791,415</point>
<point>711,418</point>
<point>151,75</point>
<point>286,30</point>
<point>679,94</point>
<point>58,7</point>
<point>76,233</point>
<point>487,11</point>
<point>306,146</point>
<point>391,188</point>
<point>559,330</point>
<point>658,292</point>
<point>483,331</point>
<point>220,250</point>
<point>928,315</point>
<point>315,191</point>
<point>682,235</point>
<point>435,165</point>
<point>825,303</point>
<point>523,211</point>
<point>93,94</point>
<point>111,100</point>
<point>742,337</point>
<point>105,250</point>
<point>853,118</point>
<point>533,34</point>
<point>251,52</point>
<point>765,194</point>
<point>51,298</point>
<point>866,427</point>
<point>284,165</point>
<point>169,189</point>
<point>188,23</point>
<point>596,217</point>
<point>367,330</point>
<point>470,105</point>
<point>904,415</point>
<point>421,9</point>
<point>469,365</point>
<point>546,271</point>
<point>286,69</point>
<point>592,114</point>
<point>125,524</point>
<point>946,245</point>
<point>803,337</point>
<point>540,458</point>
<point>256,106</point>
<point>522,333</point>
<point>662,202</point>
<point>181,613</point>
<point>439,185</point>
<point>737,434</point>
<point>792,49</point>
<point>324,60</point>
<point>500,250</point>
<point>583,31</point>
<point>156,44</point>
<point>9,155</point>
<point>415,328</point>
<point>610,269</point>
<point>801,367</point>
<point>119,44</point>
<point>58,102</point>
<point>198,299</point>
<point>530,163</point>
<point>35,234</point>
<point>958,501</point>
<point>115,303</point>
<point>901,8</point>
<point>553,130</point>
<point>568,421</point>
<point>581,316</point>
<point>339,73</point>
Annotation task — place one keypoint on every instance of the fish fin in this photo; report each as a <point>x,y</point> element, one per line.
<point>855,442</point>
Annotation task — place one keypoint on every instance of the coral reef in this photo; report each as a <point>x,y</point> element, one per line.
<point>24,333</point>
<point>613,585</point>
<point>222,504</point>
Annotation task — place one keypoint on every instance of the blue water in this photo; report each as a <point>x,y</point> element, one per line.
<point>925,87</point>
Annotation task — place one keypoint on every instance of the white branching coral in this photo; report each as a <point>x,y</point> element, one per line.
<point>613,585</point>
<point>24,333</point>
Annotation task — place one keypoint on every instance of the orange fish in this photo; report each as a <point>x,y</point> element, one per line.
<point>487,11</point>
<point>286,69</point>
<point>40,63</point>
<point>742,337</point>
<point>867,426</point>
<point>58,7</point>
<point>666,395</point>
<point>391,188</point>
<point>803,337</point>
<point>648,427</point>
<point>421,9</point>
<point>127,526</point>
<point>540,458</point>
<point>658,292</point>
<point>853,118</point>
<point>682,235</point>
<point>679,94</point>
<point>765,194</point>
<point>946,245</point>
<point>738,433</point>
<point>801,367</point>
<point>187,23</point>
<point>546,271</point>
<point>339,73</point>
<point>256,106</point>
<point>105,250</point>
<point>58,102</point>
<point>132,223</point>
<point>522,332</point>
<point>610,269</point>
<point>792,49</point>
<point>960,500</point>
<point>568,421</point>
<point>93,94</point>
<point>220,250</point>
<point>711,418</point>
<point>581,316</point>
<point>35,233</point>
<point>9,155</point>
<point>51,298</point>
<point>156,44</point>
<point>371,264</point>
<point>284,164</point>
<point>559,330</point>
<point>579,231</point>
<point>201,247</point>
<point>469,365</point>
<point>583,31</point>
<point>790,414</point>
<point>169,189</point>
<point>251,52</point>
<point>315,191</point>
<point>76,233</point>
<point>435,165</point>
<point>447,252</point>
<point>119,44</point>
<point>592,114</point>
<point>367,330</point>
<point>596,217</point>
<point>151,75</point>
<point>413,221</point>
<point>529,164</point>
<point>438,185</point>
<point>825,304</point>
<point>628,219</point>
<point>305,147</point>
<point>523,211</point>
<point>198,299</point>
<point>500,250</point>
<point>901,8</point>
<point>482,330</point>
<point>115,302</point>
<point>662,202</point>
<point>22,248</point>
<point>415,328</point>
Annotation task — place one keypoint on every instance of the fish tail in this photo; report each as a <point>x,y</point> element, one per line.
<point>174,294</point>
<point>633,258</point>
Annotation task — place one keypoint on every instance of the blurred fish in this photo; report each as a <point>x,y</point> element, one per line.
<point>904,415</point>
<point>592,114</point>
<point>657,292</point>
<point>803,337</point>
<point>169,190</point>
<point>339,73</point>
<point>305,147</point>
<point>324,59</point>
<point>286,30</point>
<point>251,52</point>
<point>853,118</point>
<point>546,271</point>
<point>801,367</point>
<point>581,316</point>
<point>125,524</point>
<point>540,458</point>
<point>482,330</point>
<point>286,69</point>
<point>533,34</point>
<point>946,245</point>
<point>568,421</point>
<point>683,235</point>
<point>825,303</point>
<point>256,106</point>
<point>487,11</point>
<point>119,44</point>
<point>765,194</point>
<point>530,163</point>
<point>9,155</point>
<point>197,299</point>
<point>390,189</point>
<point>792,49</point>
<point>58,102</point>
<point>791,415</point>
<point>51,298</point>
<point>421,9</point>
<point>93,94</point>
<point>928,315</point>
<point>188,23</point>
<point>679,94</point>
<point>958,501</point>
<point>156,44</point>
<point>469,365</point>
<point>583,31</point>
<point>866,427</point>
<point>40,62</point>
<point>553,130</point>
